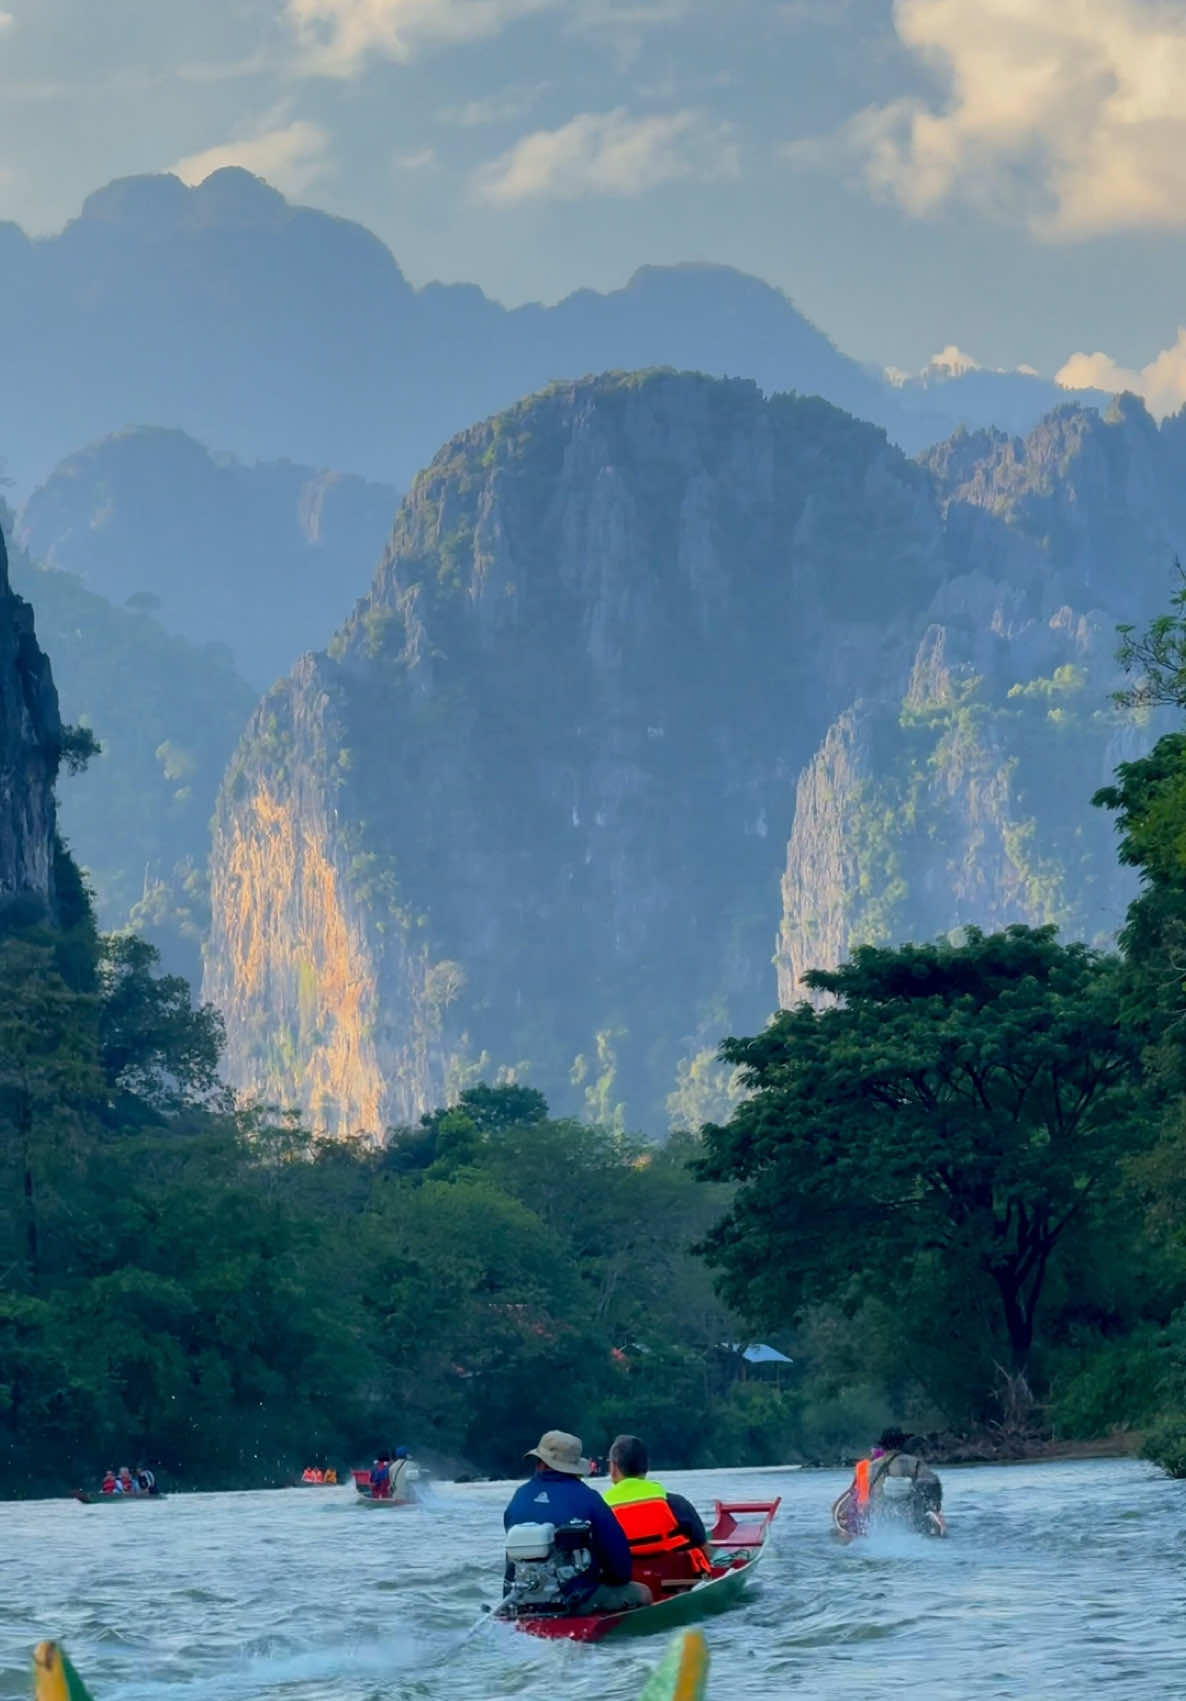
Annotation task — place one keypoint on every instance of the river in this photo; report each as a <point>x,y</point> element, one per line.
<point>1059,1580</point>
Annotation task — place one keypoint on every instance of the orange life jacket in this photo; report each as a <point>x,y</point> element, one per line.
<point>863,1487</point>
<point>652,1527</point>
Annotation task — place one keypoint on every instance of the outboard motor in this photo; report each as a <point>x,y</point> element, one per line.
<point>544,1562</point>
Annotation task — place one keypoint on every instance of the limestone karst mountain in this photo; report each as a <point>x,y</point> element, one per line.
<point>277,331</point>
<point>658,680</point>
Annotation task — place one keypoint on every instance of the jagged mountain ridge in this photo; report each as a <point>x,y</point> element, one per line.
<point>277,331</point>
<point>533,808</point>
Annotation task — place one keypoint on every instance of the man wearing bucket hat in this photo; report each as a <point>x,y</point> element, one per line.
<point>555,1494</point>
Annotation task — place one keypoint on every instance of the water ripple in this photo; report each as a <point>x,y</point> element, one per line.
<point>1058,1580</point>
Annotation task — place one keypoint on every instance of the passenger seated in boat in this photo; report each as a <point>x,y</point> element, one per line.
<point>331,1476</point>
<point>126,1483</point>
<point>145,1481</point>
<point>555,1495</point>
<point>381,1478</point>
<point>398,1484</point>
<point>895,1483</point>
<point>656,1523</point>
<point>109,1486</point>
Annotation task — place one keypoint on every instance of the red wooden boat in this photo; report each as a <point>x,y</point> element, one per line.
<point>681,1595</point>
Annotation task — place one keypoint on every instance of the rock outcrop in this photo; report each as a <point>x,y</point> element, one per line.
<point>640,649</point>
<point>30,750</point>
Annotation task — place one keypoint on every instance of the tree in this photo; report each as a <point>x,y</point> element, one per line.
<point>956,1109</point>
<point>1156,657</point>
<point>154,1044</point>
<point>48,1067</point>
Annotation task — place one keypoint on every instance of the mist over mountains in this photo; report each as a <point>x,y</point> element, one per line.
<point>668,687</point>
<point>274,331</point>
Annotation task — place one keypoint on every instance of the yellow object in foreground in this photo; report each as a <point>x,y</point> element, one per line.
<point>683,1673</point>
<point>54,1678</point>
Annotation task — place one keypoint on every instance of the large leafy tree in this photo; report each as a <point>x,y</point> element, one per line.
<point>953,1109</point>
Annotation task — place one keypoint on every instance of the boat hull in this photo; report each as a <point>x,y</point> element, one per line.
<point>919,1520</point>
<point>86,1499</point>
<point>736,1547</point>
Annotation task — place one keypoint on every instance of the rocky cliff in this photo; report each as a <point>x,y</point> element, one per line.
<point>530,810</point>
<point>30,750</point>
<point>958,793</point>
<point>640,649</point>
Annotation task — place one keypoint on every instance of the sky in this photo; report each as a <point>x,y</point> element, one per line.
<point>1005,178</point>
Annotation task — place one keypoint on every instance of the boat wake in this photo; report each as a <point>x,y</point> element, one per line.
<point>355,1665</point>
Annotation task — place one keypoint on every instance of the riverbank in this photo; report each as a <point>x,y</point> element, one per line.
<point>990,1449</point>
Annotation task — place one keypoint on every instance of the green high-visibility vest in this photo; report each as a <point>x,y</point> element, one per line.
<point>630,1489</point>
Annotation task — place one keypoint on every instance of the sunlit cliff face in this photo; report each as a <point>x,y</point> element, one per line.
<point>532,810</point>
<point>287,945</point>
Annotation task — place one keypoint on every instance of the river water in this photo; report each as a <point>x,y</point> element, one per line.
<point>1059,1580</point>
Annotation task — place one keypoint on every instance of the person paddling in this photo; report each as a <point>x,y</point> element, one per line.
<point>655,1521</point>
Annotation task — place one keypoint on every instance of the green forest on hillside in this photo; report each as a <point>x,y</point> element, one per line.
<point>954,1193</point>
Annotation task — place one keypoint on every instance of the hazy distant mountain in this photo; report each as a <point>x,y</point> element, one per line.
<point>966,395</point>
<point>167,714</point>
<point>266,559</point>
<point>277,331</point>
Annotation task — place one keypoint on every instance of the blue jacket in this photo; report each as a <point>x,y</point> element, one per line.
<point>553,1497</point>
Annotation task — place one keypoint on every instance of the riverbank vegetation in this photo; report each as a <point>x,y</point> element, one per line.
<point>219,1293</point>
<point>971,1155</point>
<point>954,1195</point>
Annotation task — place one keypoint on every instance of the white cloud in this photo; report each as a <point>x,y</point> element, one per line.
<point>339,35</point>
<point>609,153</point>
<point>290,156</point>
<point>503,108</point>
<point>1162,383</point>
<point>418,159</point>
<point>953,361</point>
<point>1068,113</point>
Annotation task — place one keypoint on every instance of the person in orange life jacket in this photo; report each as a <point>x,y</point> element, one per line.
<point>555,1494</point>
<point>654,1521</point>
<point>889,1462</point>
<point>108,1482</point>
